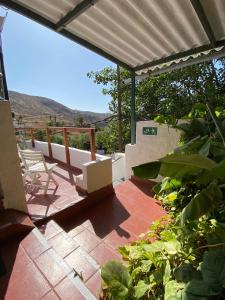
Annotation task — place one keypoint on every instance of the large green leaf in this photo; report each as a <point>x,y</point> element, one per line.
<point>174,165</point>
<point>172,247</point>
<point>140,289</point>
<point>202,203</point>
<point>147,171</point>
<point>178,165</point>
<point>185,273</point>
<point>169,183</point>
<point>173,290</point>
<point>192,160</point>
<point>200,145</point>
<point>199,289</point>
<point>204,150</point>
<point>116,276</point>
<point>217,172</point>
<point>213,277</point>
<point>156,246</point>
<point>213,269</point>
<point>217,150</point>
<point>167,273</point>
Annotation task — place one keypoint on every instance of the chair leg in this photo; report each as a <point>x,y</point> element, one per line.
<point>47,184</point>
<point>33,178</point>
<point>53,179</point>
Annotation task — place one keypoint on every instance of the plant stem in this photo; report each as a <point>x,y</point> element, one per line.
<point>210,246</point>
<point>216,122</point>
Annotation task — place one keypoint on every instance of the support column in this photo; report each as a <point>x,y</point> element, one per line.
<point>120,130</point>
<point>133,113</point>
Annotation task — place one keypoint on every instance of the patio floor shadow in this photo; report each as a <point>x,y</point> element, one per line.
<point>41,206</point>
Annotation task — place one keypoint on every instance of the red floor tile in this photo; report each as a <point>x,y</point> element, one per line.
<point>94,284</point>
<point>79,262</point>
<point>30,285</point>
<point>63,202</point>
<point>67,291</point>
<point>135,224</point>
<point>15,260</point>
<point>41,206</point>
<point>75,231</point>
<point>103,253</point>
<point>33,246</point>
<point>50,229</point>
<point>63,244</point>
<point>119,237</point>
<point>51,269</point>
<point>87,240</point>
<point>51,296</point>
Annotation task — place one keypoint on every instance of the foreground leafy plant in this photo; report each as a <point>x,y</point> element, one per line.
<point>183,255</point>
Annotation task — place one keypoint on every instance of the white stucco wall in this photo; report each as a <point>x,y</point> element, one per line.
<point>118,166</point>
<point>150,147</point>
<point>77,157</point>
<point>96,174</point>
<point>58,152</point>
<point>10,170</point>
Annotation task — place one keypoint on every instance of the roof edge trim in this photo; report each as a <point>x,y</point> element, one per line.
<point>178,55</point>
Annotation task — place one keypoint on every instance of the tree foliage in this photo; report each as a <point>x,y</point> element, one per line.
<point>171,95</point>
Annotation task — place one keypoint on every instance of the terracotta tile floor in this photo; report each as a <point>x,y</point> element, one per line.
<point>42,265</point>
<point>115,221</point>
<point>56,199</point>
<point>41,276</point>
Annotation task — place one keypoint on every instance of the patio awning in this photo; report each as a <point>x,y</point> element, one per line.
<point>140,35</point>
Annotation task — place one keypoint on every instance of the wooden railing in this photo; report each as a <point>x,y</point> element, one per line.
<point>66,131</point>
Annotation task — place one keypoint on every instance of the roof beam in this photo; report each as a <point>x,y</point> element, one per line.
<point>179,55</point>
<point>74,13</point>
<point>204,21</point>
<point>47,23</point>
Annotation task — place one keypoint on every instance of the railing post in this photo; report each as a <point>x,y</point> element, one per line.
<point>66,144</point>
<point>92,143</point>
<point>49,142</point>
<point>32,137</point>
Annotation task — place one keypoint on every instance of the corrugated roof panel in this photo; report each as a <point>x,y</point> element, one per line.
<point>106,44</point>
<point>145,30</point>
<point>135,32</point>
<point>53,10</point>
<point>215,11</point>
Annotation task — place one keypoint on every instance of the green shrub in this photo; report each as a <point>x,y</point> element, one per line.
<point>182,256</point>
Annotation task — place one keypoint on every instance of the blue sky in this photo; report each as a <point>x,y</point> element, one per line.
<point>40,62</point>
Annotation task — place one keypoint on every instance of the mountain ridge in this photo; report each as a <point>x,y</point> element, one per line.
<point>29,106</point>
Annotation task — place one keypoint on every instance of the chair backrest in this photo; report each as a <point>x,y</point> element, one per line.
<point>30,158</point>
